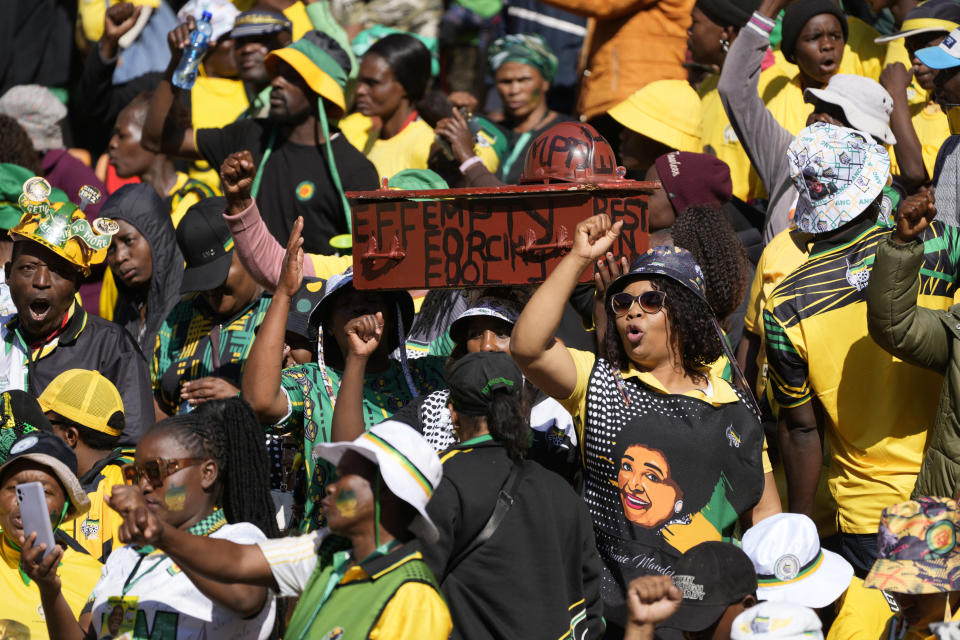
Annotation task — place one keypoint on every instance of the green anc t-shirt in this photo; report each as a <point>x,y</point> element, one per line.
<point>876,408</point>
<point>184,348</point>
<point>311,411</point>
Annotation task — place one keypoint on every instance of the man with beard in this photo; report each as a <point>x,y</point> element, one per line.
<point>298,173</point>
<point>51,332</point>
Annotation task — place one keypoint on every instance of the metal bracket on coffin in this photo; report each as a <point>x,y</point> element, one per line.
<point>530,249</point>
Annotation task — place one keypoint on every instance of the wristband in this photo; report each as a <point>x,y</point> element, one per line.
<point>469,162</point>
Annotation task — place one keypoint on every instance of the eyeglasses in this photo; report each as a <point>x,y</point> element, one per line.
<point>156,471</point>
<point>649,301</point>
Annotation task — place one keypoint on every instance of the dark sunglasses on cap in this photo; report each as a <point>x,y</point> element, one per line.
<point>649,301</point>
<point>156,471</point>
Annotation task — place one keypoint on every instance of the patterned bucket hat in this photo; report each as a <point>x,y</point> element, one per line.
<point>673,262</point>
<point>488,306</point>
<point>918,550</point>
<point>837,172</point>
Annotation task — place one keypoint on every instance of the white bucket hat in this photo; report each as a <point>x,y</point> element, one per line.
<point>408,465</point>
<point>777,621</point>
<point>838,173</point>
<point>791,566</point>
<point>865,103</point>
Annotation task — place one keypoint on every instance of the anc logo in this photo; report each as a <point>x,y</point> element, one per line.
<point>305,190</point>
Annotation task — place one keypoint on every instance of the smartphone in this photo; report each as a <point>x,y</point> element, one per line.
<point>34,514</point>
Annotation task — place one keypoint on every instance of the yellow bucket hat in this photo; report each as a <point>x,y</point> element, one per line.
<point>667,111</point>
<point>62,227</point>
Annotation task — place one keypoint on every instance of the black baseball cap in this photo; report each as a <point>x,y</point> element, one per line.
<point>476,376</point>
<point>712,576</point>
<point>260,22</point>
<point>206,244</point>
<point>307,298</point>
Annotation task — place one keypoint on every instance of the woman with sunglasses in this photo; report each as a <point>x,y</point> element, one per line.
<point>654,362</point>
<point>205,473</point>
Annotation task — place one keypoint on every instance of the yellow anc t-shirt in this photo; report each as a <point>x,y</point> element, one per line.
<point>21,614</point>
<point>96,530</point>
<point>408,149</point>
<point>876,408</point>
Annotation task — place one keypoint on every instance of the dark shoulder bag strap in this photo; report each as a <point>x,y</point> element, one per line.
<point>505,500</point>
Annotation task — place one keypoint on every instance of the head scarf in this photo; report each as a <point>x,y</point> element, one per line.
<point>139,205</point>
<point>529,49</point>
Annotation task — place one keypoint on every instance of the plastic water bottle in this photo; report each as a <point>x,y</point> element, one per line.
<point>186,73</point>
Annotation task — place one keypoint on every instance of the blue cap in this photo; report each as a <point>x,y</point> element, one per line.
<point>945,55</point>
<point>206,16</point>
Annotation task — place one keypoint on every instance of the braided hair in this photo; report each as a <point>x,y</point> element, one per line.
<point>227,431</point>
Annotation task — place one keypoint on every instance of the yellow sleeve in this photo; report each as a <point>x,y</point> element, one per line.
<point>751,320</point>
<point>576,404</point>
<point>416,611</point>
<point>108,296</point>
<point>862,614</point>
<point>765,459</point>
<point>326,266</point>
<point>185,203</point>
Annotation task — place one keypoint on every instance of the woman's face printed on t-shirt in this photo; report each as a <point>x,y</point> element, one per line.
<point>648,493</point>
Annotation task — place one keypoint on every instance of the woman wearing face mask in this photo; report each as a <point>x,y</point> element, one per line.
<point>39,456</point>
<point>203,473</point>
<point>661,336</point>
<point>145,261</point>
<point>353,385</point>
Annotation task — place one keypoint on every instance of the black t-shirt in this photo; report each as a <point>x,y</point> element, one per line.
<point>296,180</point>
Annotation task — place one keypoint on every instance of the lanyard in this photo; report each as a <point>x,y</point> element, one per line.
<point>341,562</point>
<point>130,581</point>
<point>517,148</point>
<point>255,189</point>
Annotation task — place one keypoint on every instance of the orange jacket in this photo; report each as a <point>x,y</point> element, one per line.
<point>630,43</point>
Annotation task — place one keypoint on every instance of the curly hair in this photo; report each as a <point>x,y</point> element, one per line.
<point>705,232</point>
<point>16,147</point>
<point>692,332</point>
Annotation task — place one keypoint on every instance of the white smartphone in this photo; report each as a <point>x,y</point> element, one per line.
<point>34,514</point>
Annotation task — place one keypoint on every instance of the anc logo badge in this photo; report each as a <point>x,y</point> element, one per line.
<point>305,190</point>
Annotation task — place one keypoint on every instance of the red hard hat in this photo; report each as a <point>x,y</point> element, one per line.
<point>570,152</point>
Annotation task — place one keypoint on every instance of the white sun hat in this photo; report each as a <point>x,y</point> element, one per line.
<point>791,566</point>
<point>409,467</point>
<point>777,621</point>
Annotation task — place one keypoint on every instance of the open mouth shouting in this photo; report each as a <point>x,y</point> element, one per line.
<point>39,310</point>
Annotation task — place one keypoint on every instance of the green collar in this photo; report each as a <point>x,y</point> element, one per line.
<point>479,439</point>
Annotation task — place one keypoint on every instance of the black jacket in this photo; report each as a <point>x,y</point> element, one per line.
<point>140,205</point>
<point>538,576</point>
<point>90,342</point>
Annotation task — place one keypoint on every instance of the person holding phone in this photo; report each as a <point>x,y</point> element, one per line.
<point>204,473</point>
<point>41,457</point>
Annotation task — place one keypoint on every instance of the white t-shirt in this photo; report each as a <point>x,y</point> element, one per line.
<point>165,596</point>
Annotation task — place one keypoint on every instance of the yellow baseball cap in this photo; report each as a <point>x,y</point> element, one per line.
<point>84,397</point>
<point>667,111</point>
